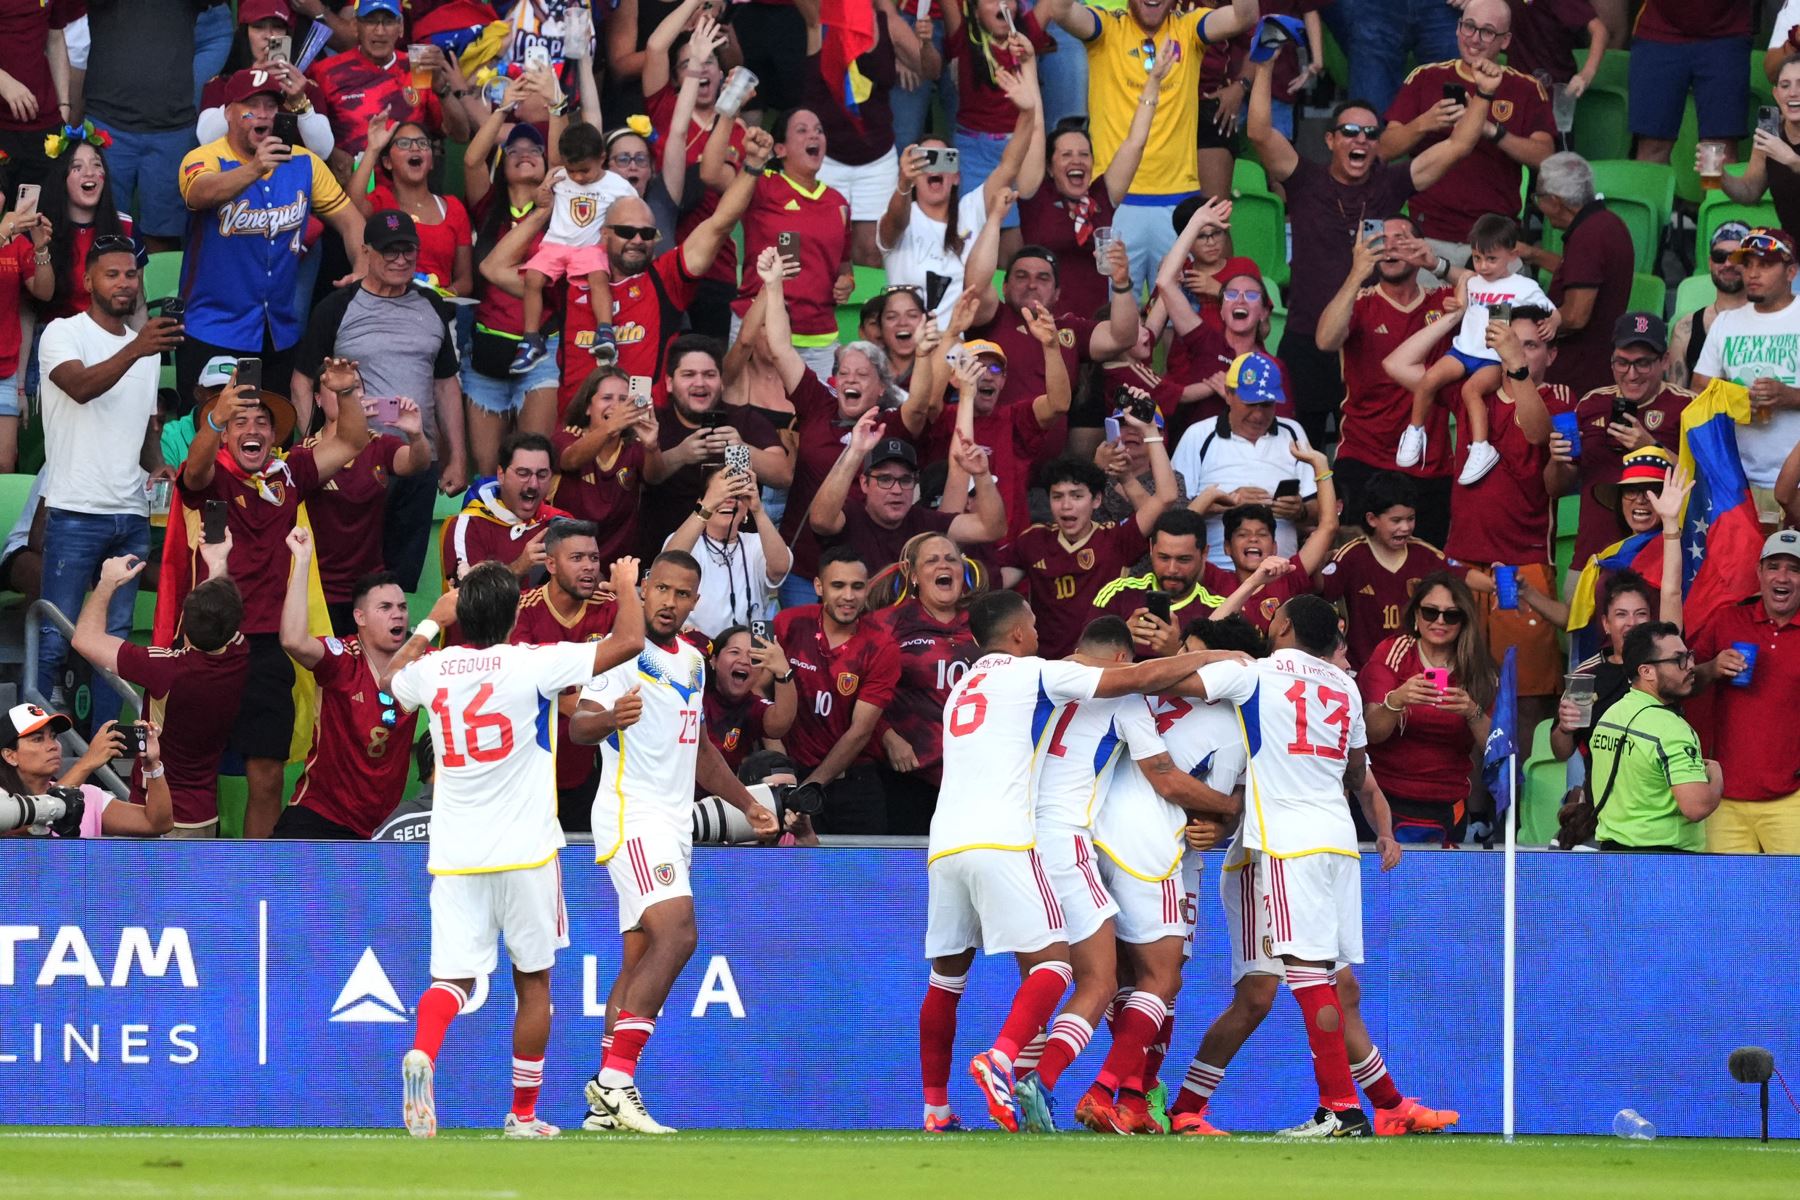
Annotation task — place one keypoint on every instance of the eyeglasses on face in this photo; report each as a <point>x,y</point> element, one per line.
<point>889,483</point>
<point>1680,662</point>
<point>631,160</point>
<point>1350,129</point>
<point>1441,616</point>
<point>1633,366</point>
<point>412,143</point>
<point>1721,255</point>
<point>1250,294</point>
<point>643,233</point>
<point>397,253</point>
<point>1480,33</point>
<point>1209,234</point>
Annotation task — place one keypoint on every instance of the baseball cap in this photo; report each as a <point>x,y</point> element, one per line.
<point>388,228</point>
<point>1271,33</point>
<point>1640,329</point>
<point>1782,541</point>
<point>523,131</point>
<point>365,8</point>
<point>252,11</point>
<point>250,82</point>
<point>22,720</point>
<point>982,346</point>
<point>1763,242</point>
<point>1256,379</point>
<point>217,372</point>
<point>892,450</point>
<point>1730,231</point>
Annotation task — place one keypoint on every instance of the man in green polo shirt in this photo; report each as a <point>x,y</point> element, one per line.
<point>1650,785</point>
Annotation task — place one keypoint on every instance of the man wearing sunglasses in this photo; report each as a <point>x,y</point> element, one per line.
<point>355,773</point>
<point>1688,337</point>
<point>1754,346</point>
<point>1652,789</point>
<point>1328,205</point>
<point>1636,410</point>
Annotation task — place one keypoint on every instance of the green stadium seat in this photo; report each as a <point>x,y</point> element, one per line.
<point>162,275</point>
<point>1259,232</point>
<point>1650,184</point>
<point>1337,63</point>
<point>1602,127</point>
<point>1694,293</point>
<point>869,282</point>
<point>13,490</point>
<point>1248,177</point>
<point>1649,293</point>
<point>1615,69</point>
<point>1544,783</point>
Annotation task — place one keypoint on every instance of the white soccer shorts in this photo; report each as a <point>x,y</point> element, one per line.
<point>468,912</point>
<point>998,900</point>
<point>1309,908</point>
<point>1252,945</point>
<point>650,866</point>
<point>1071,862</point>
<point>1153,909</point>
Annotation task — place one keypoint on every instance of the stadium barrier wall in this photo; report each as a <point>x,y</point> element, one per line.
<point>272,984</point>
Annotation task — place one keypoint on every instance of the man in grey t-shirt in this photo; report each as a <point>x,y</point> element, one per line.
<point>403,338</point>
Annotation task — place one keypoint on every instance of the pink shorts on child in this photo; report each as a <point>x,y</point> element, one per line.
<point>556,261</point>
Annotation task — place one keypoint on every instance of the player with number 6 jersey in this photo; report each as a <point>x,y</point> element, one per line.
<point>648,714</point>
<point>494,834</point>
<point>987,887</point>
<point>1303,727</point>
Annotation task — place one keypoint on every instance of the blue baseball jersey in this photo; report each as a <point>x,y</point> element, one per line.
<point>243,257</point>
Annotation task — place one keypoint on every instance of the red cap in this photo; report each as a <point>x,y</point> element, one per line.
<point>250,82</point>
<point>252,11</point>
<point>1235,267</point>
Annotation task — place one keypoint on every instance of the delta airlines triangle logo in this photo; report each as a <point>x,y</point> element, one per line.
<point>367,996</point>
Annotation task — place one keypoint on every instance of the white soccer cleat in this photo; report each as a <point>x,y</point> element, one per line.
<point>419,1109</point>
<point>1482,459</point>
<point>1326,1123</point>
<point>1412,447</point>
<point>624,1106</point>
<point>596,1119</point>
<point>528,1127</point>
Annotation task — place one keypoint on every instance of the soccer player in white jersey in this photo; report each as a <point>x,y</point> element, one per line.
<point>987,887</point>
<point>1071,776</point>
<point>646,713</point>
<point>1148,865</point>
<point>494,834</point>
<point>1303,726</point>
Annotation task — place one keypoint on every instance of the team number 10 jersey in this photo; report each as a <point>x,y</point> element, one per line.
<point>1301,718</point>
<point>493,726</point>
<point>993,722</point>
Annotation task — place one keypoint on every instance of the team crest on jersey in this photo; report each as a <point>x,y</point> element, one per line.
<point>333,646</point>
<point>731,739</point>
<point>1653,419</point>
<point>1268,946</point>
<point>274,491</point>
<point>410,95</point>
<point>1503,111</point>
<point>624,477</point>
<point>583,210</point>
<point>665,873</point>
<point>846,683</point>
<point>1268,607</point>
<point>1085,559</point>
<point>1066,337</point>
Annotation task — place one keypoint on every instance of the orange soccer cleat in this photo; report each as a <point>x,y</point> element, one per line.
<point>1413,1117</point>
<point>1132,1115</point>
<point>1097,1114</point>
<point>1195,1124</point>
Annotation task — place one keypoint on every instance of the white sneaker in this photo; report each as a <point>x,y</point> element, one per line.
<point>528,1127</point>
<point>625,1106</point>
<point>1482,459</point>
<point>1412,447</point>
<point>419,1108</point>
<point>1352,1122</point>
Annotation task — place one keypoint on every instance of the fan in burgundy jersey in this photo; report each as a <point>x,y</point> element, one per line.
<point>738,713</point>
<point>929,625</point>
<point>1373,577</point>
<point>1267,580</point>
<point>1065,564</point>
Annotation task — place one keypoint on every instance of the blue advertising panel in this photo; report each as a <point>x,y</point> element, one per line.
<point>273,984</point>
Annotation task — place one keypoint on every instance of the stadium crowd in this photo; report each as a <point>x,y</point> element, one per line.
<point>1152,309</point>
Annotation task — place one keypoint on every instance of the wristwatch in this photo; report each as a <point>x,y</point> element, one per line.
<point>1499,131</point>
<point>1520,373</point>
<point>788,678</point>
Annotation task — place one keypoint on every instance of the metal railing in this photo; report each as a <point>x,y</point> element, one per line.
<point>40,611</point>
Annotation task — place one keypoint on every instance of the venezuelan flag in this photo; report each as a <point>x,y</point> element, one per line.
<point>848,33</point>
<point>1721,535</point>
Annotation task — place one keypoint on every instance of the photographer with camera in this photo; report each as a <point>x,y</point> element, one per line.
<point>716,823</point>
<point>31,769</point>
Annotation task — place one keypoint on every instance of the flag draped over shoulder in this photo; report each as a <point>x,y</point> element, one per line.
<point>1641,552</point>
<point>848,31</point>
<point>1721,535</point>
<point>1503,735</point>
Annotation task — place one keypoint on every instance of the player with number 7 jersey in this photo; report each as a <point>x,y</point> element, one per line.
<point>987,888</point>
<point>494,833</point>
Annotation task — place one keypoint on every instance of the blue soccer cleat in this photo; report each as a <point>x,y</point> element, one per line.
<point>1037,1107</point>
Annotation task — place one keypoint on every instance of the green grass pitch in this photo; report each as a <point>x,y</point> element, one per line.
<point>299,1165</point>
